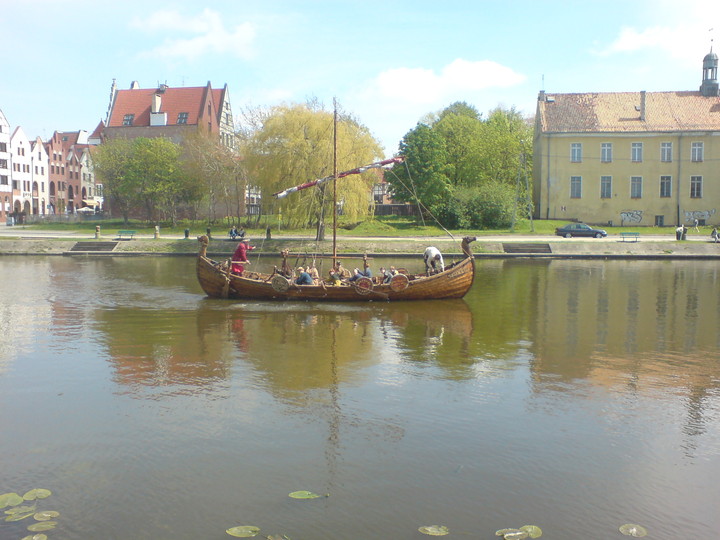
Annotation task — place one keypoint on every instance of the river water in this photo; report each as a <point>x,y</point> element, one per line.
<point>576,396</point>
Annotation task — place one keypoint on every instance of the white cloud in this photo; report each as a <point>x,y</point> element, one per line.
<point>418,85</point>
<point>395,100</point>
<point>211,35</point>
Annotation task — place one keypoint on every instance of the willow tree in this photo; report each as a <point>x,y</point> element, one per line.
<point>293,144</point>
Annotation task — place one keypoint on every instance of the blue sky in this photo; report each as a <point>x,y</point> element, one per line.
<point>389,63</point>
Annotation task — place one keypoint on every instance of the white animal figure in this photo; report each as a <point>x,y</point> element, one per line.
<point>433,259</point>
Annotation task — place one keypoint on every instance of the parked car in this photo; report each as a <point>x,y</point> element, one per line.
<point>579,229</point>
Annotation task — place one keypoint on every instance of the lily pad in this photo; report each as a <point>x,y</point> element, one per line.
<point>21,509</point>
<point>305,495</point>
<point>631,529</point>
<point>37,494</point>
<point>19,516</point>
<point>434,530</point>
<point>10,499</point>
<point>532,530</point>
<point>46,515</point>
<point>243,531</point>
<point>516,535</point>
<point>42,526</point>
<point>35,537</point>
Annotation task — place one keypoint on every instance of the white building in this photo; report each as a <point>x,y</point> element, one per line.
<point>21,174</point>
<point>40,178</point>
<point>5,168</point>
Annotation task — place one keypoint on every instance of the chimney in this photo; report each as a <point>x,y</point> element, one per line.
<point>642,106</point>
<point>156,101</point>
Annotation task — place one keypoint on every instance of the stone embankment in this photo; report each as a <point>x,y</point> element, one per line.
<point>14,242</point>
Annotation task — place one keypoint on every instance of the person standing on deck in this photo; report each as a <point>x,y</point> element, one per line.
<point>433,259</point>
<point>239,258</point>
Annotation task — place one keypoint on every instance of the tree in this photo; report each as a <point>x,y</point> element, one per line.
<point>111,163</point>
<point>425,177</point>
<point>292,144</point>
<point>220,174</point>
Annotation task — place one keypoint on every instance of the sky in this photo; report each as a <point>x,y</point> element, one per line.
<point>388,63</point>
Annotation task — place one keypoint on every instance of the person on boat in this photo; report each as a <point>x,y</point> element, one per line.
<point>303,277</point>
<point>433,259</point>
<point>239,258</point>
<point>313,274</point>
<point>337,273</point>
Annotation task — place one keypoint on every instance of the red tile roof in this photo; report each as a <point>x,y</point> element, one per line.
<point>620,112</point>
<point>173,101</point>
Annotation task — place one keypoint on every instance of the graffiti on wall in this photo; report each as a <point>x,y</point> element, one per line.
<point>690,217</point>
<point>631,216</point>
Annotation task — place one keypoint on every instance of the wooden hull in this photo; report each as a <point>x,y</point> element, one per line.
<point>454,282</point>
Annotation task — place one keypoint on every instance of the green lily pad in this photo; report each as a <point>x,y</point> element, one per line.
<point>243,531</point>
<point>516,535</point>
<point>21,509</point>
<point>46,515</point>
<point>434,530</point>
<point>631,529</point>
<point>305,495</point>
<point>532,530</point>
<point>19,516</point>
<point>35,537</point>
<point>37,494</point>
<point>42,526</point>
<point>10,499</point>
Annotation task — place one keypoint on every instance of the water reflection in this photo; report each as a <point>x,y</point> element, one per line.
<point>576,395</point>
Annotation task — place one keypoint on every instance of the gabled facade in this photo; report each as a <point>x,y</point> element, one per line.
<point>21,158</point>
<point>40,177</point>
<point>641,158</point>
<point>169,112</point>
<point>5,169</point>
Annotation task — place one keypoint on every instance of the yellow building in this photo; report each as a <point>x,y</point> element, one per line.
<point>630,158</point>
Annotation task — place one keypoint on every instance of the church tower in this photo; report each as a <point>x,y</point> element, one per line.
<point>709,86</point>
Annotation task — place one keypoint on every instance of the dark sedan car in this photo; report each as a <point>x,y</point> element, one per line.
<point>579,229</point>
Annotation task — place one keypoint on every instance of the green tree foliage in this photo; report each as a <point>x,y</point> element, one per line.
<point>145,174</point>
<point>425,178</point>
<point>291,144</point>
<point>465,169</point>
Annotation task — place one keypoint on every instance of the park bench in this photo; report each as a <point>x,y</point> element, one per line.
<point>627,236</point>
<point>128,234</point>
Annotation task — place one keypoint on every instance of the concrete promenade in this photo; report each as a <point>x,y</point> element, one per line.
<point>18,240</point>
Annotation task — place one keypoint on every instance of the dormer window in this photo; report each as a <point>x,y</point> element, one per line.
<point>128,119</point>
<point>182,118</point>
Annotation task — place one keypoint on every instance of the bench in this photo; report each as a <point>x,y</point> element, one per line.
<point>630,236</point>
<point>129,234</point>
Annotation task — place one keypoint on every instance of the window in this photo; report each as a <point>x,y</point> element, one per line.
<point>696,187</point>
<point>182,118</point>
<point>636,152</point>
<point>636,187</point>
<point>128,119</point>
<point>606,152</point>
<point>666,152</point>
<point>665,186</point>
<point>378,193</point>
<point>3,147</point>
<point>4,180</point>
<point>659,221</point>
<point>576,152</point>
<point>605,187</point>
<point>3,164</point>
<point>696,151</point>
<point>575,187</point>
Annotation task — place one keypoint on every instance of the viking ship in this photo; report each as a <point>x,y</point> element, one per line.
<point>218,281</point>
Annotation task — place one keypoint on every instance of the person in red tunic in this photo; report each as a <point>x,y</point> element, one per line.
<point>239,258</point>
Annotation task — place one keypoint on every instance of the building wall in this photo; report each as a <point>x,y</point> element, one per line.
<point>554,169</point>
<point>21,171</point>
<point>5,169</point>
<point>40,177</point>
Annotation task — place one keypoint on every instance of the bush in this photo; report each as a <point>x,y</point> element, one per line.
<point>489,206</point>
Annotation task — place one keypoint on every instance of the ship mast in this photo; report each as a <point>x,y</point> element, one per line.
<point>335,173</point>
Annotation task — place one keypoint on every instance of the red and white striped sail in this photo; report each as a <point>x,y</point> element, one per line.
<point>386,163</point>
